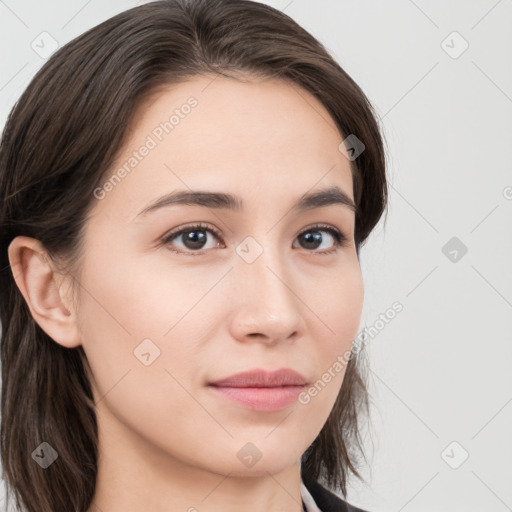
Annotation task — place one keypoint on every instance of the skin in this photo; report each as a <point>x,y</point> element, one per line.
<point>167,442</point>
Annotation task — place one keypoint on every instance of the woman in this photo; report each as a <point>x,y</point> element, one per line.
<point>185,191</point>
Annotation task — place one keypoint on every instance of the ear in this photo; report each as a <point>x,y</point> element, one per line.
<point>42,287</point>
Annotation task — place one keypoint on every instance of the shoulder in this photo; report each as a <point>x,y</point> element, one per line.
<point>326,500</point>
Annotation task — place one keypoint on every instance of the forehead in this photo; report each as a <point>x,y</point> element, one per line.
<point>266,139</point>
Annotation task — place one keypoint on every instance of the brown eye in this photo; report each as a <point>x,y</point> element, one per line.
<point>193,238</point>
<point>312,238</point>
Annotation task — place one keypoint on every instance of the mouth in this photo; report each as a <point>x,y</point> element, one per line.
<point>260,390</point>
<point>260,399</point>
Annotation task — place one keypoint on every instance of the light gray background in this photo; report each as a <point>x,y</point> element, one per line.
<point>441,369</point>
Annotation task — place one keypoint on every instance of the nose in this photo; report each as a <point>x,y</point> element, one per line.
<point>266,301</point>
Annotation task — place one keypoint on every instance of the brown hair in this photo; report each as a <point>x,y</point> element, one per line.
<point>59,141</point>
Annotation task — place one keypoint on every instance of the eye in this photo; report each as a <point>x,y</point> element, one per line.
<point>312,238</point>
<point>194,238</point>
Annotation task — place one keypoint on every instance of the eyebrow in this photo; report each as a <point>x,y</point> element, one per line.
<point>220,200</point>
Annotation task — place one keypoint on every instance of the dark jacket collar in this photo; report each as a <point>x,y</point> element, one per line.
<point>328,501</point>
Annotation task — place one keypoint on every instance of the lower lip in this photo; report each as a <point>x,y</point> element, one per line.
<point>261,399</point>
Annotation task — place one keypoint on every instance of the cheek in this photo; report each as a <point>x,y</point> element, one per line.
<point>340,310</point>
<point>339,305</point>
<point>131,322</point>
<point>135,313</point>
<point>119,309</point>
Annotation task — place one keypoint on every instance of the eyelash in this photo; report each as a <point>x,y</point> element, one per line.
<point>339,238</point>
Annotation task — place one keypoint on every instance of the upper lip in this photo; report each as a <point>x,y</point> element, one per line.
<point>262,379</point>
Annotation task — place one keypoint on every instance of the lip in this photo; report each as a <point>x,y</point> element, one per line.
<point>262,379</point>
<point>261,390</point>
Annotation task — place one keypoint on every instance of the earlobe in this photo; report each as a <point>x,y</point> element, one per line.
<point>40,284</point>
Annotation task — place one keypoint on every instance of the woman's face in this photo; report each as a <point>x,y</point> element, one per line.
<point>254,288</point>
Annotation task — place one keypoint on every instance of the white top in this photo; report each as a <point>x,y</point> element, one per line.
<point>308,500</point>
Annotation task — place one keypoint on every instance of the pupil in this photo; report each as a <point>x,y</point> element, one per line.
<point>196,238</point>
<point>314,239</point>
